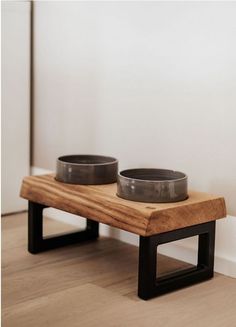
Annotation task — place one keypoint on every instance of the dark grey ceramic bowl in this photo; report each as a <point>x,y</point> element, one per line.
<point>87,169</point>
<point>152,185</point>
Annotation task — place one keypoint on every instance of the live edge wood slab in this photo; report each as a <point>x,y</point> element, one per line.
<point>154,223</point>
<point>100,203</point>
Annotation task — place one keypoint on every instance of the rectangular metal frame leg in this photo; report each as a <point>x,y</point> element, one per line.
<point>150,286</point>
<point>37,243</point>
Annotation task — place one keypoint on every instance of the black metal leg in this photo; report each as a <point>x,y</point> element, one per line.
<point>150,286</point>
<point>37,243</point>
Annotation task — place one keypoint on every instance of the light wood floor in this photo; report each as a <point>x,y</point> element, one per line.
<point>94,284</point>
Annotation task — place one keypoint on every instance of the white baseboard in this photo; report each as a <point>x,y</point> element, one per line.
<point>222,265</point>
<point>186,250</point>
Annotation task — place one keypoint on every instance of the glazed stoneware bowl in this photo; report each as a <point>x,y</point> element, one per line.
<point>87,169</point>
<point>152,185</point>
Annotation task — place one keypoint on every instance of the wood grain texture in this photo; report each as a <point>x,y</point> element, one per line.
<point>100,203</point>
<point>94,285</point>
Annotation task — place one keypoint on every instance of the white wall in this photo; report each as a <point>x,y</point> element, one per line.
<point>152,83</point>
<point>15,102</point>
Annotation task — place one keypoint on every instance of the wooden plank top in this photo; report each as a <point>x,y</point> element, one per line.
<point>100,203</point>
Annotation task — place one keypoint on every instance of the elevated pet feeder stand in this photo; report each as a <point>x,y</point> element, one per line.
<point>155,223</point>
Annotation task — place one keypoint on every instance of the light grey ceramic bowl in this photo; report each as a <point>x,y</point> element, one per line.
<point>87,169</point>
<point>152,185</point>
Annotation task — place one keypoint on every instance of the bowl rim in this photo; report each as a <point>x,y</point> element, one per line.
<point>185,177</point>
<point>111,162</point>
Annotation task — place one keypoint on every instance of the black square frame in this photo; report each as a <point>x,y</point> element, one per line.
<point>38,243</point>
<point>150,286</point>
